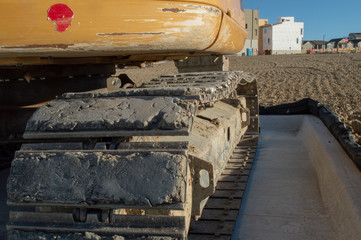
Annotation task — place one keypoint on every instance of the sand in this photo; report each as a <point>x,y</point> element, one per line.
<point>333,79</point>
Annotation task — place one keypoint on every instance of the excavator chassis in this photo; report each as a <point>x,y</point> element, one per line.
<point>135,162</point>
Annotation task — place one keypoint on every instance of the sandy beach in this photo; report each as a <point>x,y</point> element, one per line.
<point>332,79</point>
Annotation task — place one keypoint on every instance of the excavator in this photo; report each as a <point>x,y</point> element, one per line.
<point>130,162</point>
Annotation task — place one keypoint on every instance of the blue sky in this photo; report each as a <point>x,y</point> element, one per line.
<point>331,18</point>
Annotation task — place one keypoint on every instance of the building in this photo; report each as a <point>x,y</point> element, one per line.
<point>339,43</point>
<point>356,43</point>
<point>284,37</point>
<point>307,45</point>
<point>355,36</point>
<point>313,45</point>
<point>347,44</point>
<point>252,28</point>
<point>262,22</point>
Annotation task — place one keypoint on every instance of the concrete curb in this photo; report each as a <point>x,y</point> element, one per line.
<point>339,180</point>
<point>332,122</point>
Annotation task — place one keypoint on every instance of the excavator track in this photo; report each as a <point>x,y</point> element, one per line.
<point>98,165</point>
<point>221,211</point>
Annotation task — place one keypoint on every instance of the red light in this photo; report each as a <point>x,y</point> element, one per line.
<point>61,15</point>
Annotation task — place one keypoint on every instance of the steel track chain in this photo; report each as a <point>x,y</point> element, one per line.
<point>220,213</point>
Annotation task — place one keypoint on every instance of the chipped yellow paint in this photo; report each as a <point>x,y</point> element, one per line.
<point>230,38</point>
<point>136,28</point>
<point>232,7</point>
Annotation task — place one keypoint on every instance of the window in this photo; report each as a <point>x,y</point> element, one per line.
<point>269,41</point>
<point>301,31</point>
<point>265,30</point>
<point>297,40</point>
<point>246,25</point>
<point>255,32</point>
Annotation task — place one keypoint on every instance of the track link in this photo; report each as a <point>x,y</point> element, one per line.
<point>221,211</point>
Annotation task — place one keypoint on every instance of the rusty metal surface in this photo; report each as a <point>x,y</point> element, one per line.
<point>221,210</point>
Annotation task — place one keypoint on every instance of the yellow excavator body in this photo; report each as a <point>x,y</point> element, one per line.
<point>43,32</point>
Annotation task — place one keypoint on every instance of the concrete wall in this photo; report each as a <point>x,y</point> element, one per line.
<point>260,39</point>
<point>252,27</point>
<point>287,36</point>
<point>251,18</point>
<point>267,38</point>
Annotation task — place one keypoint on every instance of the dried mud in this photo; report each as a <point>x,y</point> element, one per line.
<point>333,79</point>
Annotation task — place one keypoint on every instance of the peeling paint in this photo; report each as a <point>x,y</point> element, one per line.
<point>175,10</point>
<point>225,40</point>
<point>197,21</point>
<point>192,6</point>
<point>202,9</point>
<point>141,20</point>
<point>126,33</point>
<point>61,46</point>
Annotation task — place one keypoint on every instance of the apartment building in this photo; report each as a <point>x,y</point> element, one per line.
<point>284,37</point>
<point>252,27</point>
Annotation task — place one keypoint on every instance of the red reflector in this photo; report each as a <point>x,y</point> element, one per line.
<point>61,15</point>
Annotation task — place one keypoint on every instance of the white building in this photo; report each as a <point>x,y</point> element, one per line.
<point>284,37</point>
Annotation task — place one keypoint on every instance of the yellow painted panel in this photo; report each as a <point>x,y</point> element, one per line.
<point>231,38</point>
<point>141,29</point>
<point>232,7</point>
<point>127,26</point>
